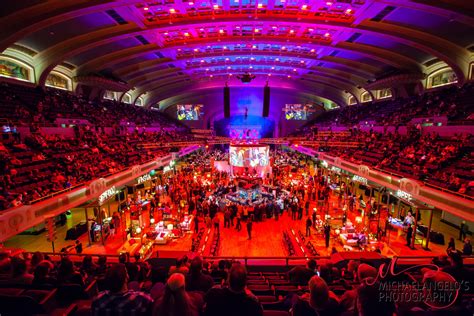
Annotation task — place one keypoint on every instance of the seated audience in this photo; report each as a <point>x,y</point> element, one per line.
<point>67,273</point>
<point>176,301</point>
<point>19,272</point>
<point>370,304</point>
<point>195,279</point>
<point>42,274</point>
<point>320,301</point>
<point>301,275</point>
<point>118,299</point>
<point>235,300</point>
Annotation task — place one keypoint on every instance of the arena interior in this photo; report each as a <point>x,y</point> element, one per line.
<point>237,157</point>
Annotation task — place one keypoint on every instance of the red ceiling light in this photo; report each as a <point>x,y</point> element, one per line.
<point>329,3</point>
<point>172,10</point>
<point>191,3</point>
<point>216,6</point>
<point>260,5</point>
<point>327,35</point>
<point>146,8</point>
<point>304,7</point>
<point>349,11</point>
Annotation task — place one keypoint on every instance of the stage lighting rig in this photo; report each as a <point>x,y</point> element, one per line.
<point>246,77</point>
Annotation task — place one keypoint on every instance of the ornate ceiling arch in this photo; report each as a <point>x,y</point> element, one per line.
<point>155,46</point>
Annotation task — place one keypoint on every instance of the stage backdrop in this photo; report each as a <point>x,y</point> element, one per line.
<point>250,98</point>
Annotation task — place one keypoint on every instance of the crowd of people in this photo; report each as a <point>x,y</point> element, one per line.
<point>449,102</point>
<point>443,161</point>
<point>40,163</point>
<point>195,286</point>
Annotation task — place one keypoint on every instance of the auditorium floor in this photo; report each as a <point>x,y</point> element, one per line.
<point>267,240</point>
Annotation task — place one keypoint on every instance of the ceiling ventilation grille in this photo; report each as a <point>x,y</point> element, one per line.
<point>117,18</point>
<point>431,62</point>
<point>382,14</point>
<point>142,40</point>
<point>354,37</point>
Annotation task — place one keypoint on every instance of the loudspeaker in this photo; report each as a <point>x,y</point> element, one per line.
<point>226,102</point>
<point>266,101</point>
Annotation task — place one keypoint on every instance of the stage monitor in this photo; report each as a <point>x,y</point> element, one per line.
<point>249,156</point>
<point>189,112</point>
<point>298,112</point>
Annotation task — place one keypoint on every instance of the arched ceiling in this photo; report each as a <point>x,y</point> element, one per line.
<point>163,47</point>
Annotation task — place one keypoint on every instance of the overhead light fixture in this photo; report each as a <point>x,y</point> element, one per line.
<point>246,77</point>
<point>172,10</point>
<point>146,8</point>
<point>304,7</point>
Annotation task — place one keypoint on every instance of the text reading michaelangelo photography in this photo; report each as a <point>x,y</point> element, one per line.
<point>441,294</point>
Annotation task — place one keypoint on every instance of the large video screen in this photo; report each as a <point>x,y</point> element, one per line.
<point>249,156</point>
<point>299,112</point>
<point>189,112</point>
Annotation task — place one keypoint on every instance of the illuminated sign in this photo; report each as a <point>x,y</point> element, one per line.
<point>167,169</point>
<point>143,178</point>
<point>403,195</point>
<point>107,194</point>
<point>359,179</point>
<point>336,169</point>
